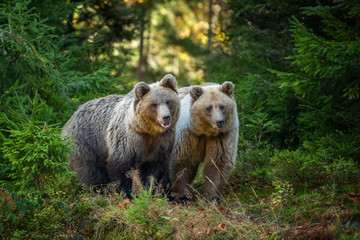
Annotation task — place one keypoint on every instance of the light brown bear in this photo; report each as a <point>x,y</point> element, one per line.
<point>116,134</point>
<point>207,131</point>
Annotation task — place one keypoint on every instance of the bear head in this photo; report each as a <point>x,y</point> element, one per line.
<point>213,109</point>
<point>156,105</point>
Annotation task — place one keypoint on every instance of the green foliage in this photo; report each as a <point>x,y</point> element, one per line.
<point>46,222</point>
<point>53,216</point>
<point>295,67</point>
<point>259,126</point>
<point>317,162</point>
<point>45,72</point>
<point>288,165</point>
<point>284,191</point>
<point>108,24</point>
<point>33,156</point>
<point>36,60</point>
<point>324,72</point>
<point>147,216</point>
<point>254,165</point>
<point>13,211</point>
<point>37,157</point>
<point>251,46</point>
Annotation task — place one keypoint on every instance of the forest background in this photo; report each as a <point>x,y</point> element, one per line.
<point>295,65</point>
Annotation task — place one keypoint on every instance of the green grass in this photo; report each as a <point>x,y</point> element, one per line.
<point>249,211</point>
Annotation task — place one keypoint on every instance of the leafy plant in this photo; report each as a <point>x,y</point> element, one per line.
<point>34,156</point>
<point>324,74</point>
<point>259,125</point>
<point>284,191</point>
<point>43,70</point>
<point>44,57</point>
<point>288,166</point>
<point>147,216</point>
<point>13,210</point>
<point>317,162</point>
<point>254,165</point>
<point>37,157</point>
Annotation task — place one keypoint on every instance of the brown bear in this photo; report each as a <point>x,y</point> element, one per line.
<point>207,131</point>
<point>116,134</point>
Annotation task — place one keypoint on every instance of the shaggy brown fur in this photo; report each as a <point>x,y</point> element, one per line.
<point>207,131</point>
<point>116,134</point>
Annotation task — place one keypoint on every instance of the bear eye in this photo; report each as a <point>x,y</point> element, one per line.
<point>222,107</point>
<point>208,109</point>
<point>154,105</point>
<point>168,102</point>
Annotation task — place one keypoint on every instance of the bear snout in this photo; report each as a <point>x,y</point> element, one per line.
<point>167,118</point>
<point>220,123</point>
<point>166,121</point>
<point>164,116</point>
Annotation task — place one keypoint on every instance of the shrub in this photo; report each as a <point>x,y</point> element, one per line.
<point>323,160</point>
<point>13,210</point>
<point>288,165</point>
<point>284,191</point>
<point>37,156</point>
<point>147,216</point>
<point>255,164</point>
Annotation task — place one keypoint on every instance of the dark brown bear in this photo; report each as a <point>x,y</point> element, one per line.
<point>116,134</point>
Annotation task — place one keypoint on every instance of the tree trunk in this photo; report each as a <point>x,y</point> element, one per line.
<point>142,65</point>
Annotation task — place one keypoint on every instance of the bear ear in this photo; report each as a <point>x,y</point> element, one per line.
<point>227,88</point>
<point>195,92</point>
<point>141,88</point>
<point>169,81</point>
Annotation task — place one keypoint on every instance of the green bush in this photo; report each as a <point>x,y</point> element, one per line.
<point>147,216</point>
<point>324,75</point>
<point>321,161</point>
<point>37,156</point>
<point>255,164</point>
<point>283,194</point>
<point>288,165</point>
<point>13,211</point>
<point>47,223</point>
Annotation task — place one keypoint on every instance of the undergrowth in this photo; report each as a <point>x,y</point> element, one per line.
<point>279,210</point>
<point>312,192</point>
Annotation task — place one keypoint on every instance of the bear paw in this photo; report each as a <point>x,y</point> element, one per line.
<point>214,200</point>
<point>183,200</point>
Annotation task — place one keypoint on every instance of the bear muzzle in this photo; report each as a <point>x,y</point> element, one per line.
<point>166,121</point>
<point>220,123</point>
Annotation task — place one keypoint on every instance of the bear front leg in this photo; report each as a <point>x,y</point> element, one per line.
<point>182,176</point>
<point>218,164</point>
<point>155,170</point>
<point>159,166</point>
<point>215,179</point>
<point>119,170</point>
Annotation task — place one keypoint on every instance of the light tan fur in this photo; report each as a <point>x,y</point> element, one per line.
<point>200,139</point>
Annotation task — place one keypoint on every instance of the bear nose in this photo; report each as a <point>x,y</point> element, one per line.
<point>166,118</point>
<point>220,123</point>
